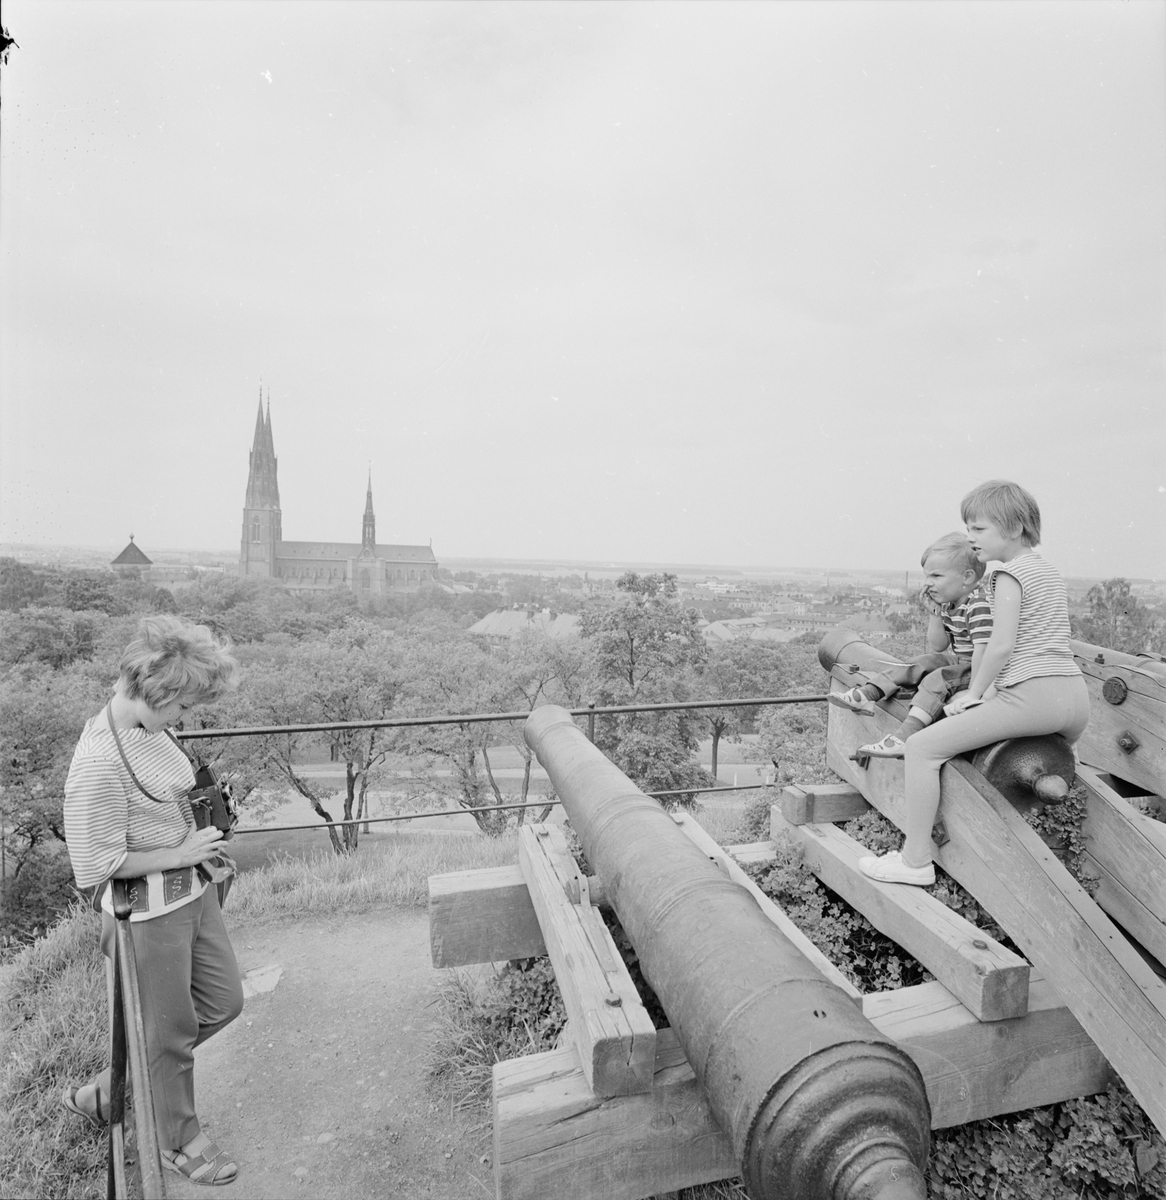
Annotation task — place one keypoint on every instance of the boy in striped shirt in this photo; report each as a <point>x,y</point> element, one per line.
<point>957,635</point>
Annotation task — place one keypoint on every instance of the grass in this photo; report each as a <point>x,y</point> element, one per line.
<point>387,871</point>
<point>52,998</point>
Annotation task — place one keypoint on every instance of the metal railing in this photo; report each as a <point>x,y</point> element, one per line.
<point>591,711</point>
<point>128,1031</point>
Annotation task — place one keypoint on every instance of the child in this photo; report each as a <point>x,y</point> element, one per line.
<point>1039,688</point>
<point>957,633</point>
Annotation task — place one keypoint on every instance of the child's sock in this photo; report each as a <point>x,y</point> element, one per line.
<point>871,691</point>
<point>914,721</point>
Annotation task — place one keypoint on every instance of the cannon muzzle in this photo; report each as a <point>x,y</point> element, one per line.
<point>817,1103</point>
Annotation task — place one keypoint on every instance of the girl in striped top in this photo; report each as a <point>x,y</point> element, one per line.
<point>1039,688</point>
<point>187,975</point>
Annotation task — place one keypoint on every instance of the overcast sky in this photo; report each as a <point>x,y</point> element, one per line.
<point>763,283</point>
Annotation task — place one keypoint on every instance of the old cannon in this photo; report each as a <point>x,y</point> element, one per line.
<point>817,1103</point>
<point>1029,771</point>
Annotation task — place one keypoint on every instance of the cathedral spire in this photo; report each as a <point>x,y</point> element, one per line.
<point>262,481</point>
<point>368,532</point>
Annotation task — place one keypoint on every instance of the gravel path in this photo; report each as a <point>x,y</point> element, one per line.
<point>319,1088</point>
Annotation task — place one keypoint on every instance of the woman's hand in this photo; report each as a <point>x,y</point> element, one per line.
<point>200,844</point>
<point>197,847</point>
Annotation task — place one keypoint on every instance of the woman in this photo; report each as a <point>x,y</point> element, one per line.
<point>187,975</point>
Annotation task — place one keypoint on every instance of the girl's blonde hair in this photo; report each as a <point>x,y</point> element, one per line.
<point>170,660</point>
<point>1008,505</point>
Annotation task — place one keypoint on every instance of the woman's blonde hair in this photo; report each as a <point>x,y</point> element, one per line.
<point>1008,505</point>
<point>170,660</point>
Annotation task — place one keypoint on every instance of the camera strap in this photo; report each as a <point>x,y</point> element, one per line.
<point>121,750</point>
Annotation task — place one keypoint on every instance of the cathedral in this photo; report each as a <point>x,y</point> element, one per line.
<point>363,567</point>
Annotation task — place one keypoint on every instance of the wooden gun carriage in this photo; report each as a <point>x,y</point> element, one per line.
<point>618,1111</point>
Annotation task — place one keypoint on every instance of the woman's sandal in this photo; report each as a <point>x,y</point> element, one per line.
<point>206,1167</point>
<point>889,747</point>
<point>69,1100</point>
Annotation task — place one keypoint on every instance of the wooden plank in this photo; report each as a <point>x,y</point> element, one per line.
<point>1000,859</point>
<point>991,981</point>
<point>698,835</point>
<point>1129,852</point>
<point>552,1137</point>
<point>1142,712</point>
<point>612,1030</point>
<point>482,916</point>
<point>818,802</point>
<point>975,1069</point>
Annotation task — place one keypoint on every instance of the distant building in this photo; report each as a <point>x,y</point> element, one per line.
<point>364,567</point>
<point>131,561</point>
<point>506,623</point>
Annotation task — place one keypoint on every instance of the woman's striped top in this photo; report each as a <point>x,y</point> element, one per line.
<point>1042,635</point>
<point>106,816</point>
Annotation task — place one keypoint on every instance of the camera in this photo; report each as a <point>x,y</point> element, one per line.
<point>211,802</point>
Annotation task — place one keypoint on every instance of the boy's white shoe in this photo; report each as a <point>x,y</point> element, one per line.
<point>890,868</point>
<point>855,699</point>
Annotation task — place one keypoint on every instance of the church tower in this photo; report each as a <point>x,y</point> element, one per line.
<point>368,531</point>
<point>262,520</point>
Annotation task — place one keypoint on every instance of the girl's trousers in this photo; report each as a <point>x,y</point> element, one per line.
<point>1047,704</point>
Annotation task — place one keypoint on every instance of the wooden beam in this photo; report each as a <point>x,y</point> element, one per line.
<point>1139,688</point>
<point>698,835</point>
<point>991,981</point>
<point>1000,859</point>
<point>553,1137</point>
<point>612,1031</point>
<point>1129,852</point>
<point>482,916</point>
<point>818,802</point>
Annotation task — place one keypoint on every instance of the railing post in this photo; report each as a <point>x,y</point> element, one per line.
<point>130,1030</point>
<point>115,1182</point>
<point>591,722</point>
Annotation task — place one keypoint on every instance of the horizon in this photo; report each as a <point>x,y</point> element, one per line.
<point>561,562</point>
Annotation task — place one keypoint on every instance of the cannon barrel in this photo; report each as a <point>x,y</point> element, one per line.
<point>817,1103</point>
<point>1029,771</point>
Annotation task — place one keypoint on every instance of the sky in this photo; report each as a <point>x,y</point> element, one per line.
<point>757,283</point>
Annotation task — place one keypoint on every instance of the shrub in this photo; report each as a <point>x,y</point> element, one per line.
<point>1097,1148</point>
<point>480,1022</point>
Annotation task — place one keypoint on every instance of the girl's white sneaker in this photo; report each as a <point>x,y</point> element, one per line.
<point>890,868</point>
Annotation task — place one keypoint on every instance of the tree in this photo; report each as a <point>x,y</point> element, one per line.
<point>55,637</point>
<point>42,713</point>
<point>1118,621</point>
<point>734,671</point>
<point>644,649</point>
<point>350,675</point>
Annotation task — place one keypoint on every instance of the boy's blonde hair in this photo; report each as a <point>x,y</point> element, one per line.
<point>170,660</point>
<point>1008,505</point>
<point>957,551</point>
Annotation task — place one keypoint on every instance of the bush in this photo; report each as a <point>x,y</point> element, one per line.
<point>1097,1148</point>
<point>516,1012</point>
